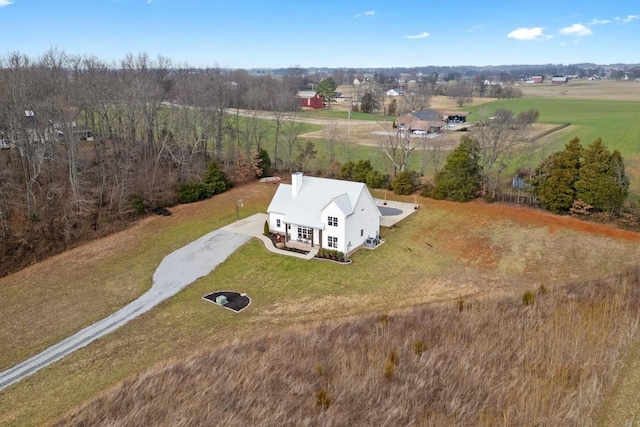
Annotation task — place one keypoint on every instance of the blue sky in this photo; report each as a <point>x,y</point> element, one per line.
<point>331,33</point>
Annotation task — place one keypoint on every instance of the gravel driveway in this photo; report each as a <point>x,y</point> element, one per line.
<point>175,272</point>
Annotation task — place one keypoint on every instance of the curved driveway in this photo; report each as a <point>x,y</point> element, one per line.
<point>175,272</point>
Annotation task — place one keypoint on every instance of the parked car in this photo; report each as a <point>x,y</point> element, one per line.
<point>419,132</point>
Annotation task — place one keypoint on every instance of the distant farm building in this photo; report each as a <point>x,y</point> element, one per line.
<point>559,80</point>
<point>395,92</point>
<point>536,79</point>
<point>310,99</point>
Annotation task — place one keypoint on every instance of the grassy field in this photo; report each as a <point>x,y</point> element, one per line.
<point>444,251</point>
<point>613,121</point>
<point>482,362</point>
<point>340,114</point>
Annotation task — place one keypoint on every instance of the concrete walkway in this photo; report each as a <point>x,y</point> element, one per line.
<point>254,226</point>
<point>175,272</point>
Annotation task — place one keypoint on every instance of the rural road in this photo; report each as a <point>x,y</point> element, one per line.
<point>175,272</point>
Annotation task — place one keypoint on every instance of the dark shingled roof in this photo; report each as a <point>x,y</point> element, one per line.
<point>428,115</point>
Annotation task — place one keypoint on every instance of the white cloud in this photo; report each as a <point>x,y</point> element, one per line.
<point>628,19</point>
<point>367,13</point>
<point>419,36</point>
<point>475,28</point>
<point>577,30</point>
<point>4,3</point>
<point>526,33</point>
<point>599,22</point>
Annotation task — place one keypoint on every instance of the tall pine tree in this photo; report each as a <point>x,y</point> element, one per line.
<point>594,175</point>
<point>554,180</point>
<point>602,182</point>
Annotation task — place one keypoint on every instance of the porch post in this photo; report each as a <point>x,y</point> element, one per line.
<point>313,233</point>
<point>320,238</point>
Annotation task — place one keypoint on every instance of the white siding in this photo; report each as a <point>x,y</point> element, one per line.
<point>340,231</point>
<point>366,217</point>
<point>273,223</point>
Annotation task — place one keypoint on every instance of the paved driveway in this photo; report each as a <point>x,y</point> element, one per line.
<point>175,272</point>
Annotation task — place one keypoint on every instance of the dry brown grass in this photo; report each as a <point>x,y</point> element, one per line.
<point>477,362</point>
<point>49,301</point>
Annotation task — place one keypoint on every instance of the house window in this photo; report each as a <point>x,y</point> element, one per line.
<point>278,223</point>
<point>305,233</point>
<point>333,221</point>
<point>332,242</point>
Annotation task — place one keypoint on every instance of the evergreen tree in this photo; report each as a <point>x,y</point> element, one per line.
<point>554,180</point>
<point>460,178</point>
<point>593,175</point>
<point>369,103</point>
<point>404,183</point>
<point>263,162</point>
<point>215,179</point>
<point>602,182</point>
<point>357,171</point>
<point>327,88</point>
<point>620,191</point>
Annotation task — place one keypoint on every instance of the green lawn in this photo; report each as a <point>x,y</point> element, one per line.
<point>616,122</point>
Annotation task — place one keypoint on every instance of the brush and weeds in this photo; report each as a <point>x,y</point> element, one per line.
<point>546,361</point>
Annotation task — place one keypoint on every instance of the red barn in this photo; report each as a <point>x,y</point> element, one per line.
<point>310,99</point>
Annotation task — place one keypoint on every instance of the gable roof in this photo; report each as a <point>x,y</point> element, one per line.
<point>306,94</point>
<point>427,115</point>
<point>314,195</point>
<point>413,123</point>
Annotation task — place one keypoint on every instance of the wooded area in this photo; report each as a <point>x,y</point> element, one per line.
<point>87,145</point>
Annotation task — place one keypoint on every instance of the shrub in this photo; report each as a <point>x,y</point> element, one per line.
<point>266,229</point>
<point>138,204</point>
<point>190,192</point>
<point>390,365</point>
<point>214,182</point>
<point>418,347</point>
<point>376,179</point>
<point>404,183</point>
<point>322,399</point>
<point>426,189</point>
<point>216,179</point>
<point>383,318</point>
<point>528,298</point>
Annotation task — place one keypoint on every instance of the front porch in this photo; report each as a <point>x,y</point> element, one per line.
<point>302,237</point>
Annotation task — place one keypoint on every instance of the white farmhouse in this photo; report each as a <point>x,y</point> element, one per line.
<point>328,213</point>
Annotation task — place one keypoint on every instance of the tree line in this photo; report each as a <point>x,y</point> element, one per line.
<point>88,145</point>
<point>577,179</point>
